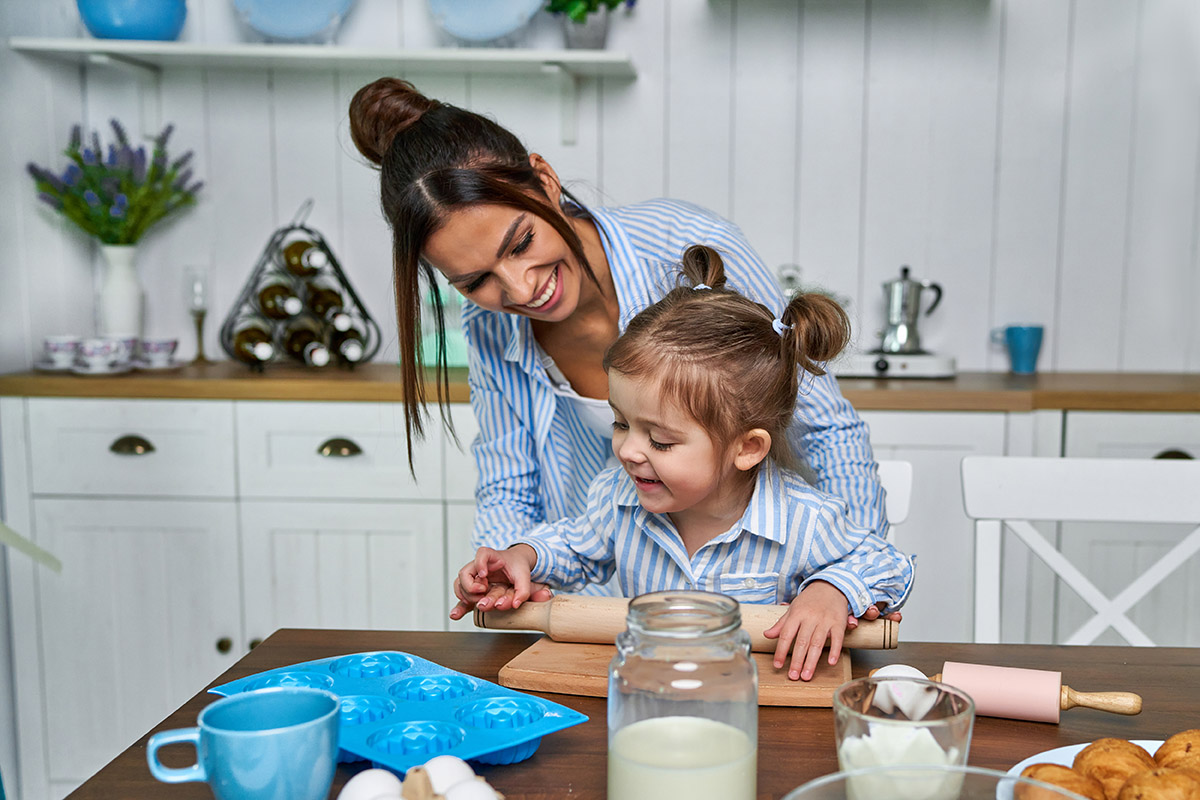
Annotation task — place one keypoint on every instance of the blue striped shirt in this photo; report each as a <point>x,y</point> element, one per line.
<point>789,535</point>
<point>536,458</point>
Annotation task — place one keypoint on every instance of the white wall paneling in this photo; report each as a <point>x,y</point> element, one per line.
<point>1038,159</point>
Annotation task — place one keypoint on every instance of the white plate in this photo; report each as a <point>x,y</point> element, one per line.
<point>115,369</point>
<point>1066,755</point>
<point>50,366</point>
<point>174,363</point>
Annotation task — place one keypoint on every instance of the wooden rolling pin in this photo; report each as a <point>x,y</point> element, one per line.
<point>1033,694</point>
<point>598,620</point>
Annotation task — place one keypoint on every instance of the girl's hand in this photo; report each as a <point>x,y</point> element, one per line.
<point>816,615</point>
<point>872,613</point>
<point>495,580</point>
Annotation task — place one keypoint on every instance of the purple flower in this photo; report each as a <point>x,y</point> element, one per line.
<point>116,211</point>
<point>182,161</point>
<point>72,174</point>
<point>50,200</point>
<point>182,180</point>
<point>139,165</point>
<point>120,132</point>
<point>76,137</point>
<point>89,157</point>
<point>111,161</point>
<point>92,199</point>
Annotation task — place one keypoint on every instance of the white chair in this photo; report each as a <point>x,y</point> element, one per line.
<point>1009,491</point>
<point>896,477</point>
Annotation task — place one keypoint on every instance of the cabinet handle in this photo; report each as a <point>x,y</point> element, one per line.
<point>131,445</point>
<point>224,645</point>
<point>339,448</point>
<point>1175,452</point>
<point>255,643</point>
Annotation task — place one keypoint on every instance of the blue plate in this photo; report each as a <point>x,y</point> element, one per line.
<point>483,20</point>
<point>294,20</point>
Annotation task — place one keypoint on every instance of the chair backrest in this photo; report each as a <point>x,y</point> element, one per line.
<point>896,477</point>
<point>1007,492</point>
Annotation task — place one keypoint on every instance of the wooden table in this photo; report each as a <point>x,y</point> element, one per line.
<point>794,744</point>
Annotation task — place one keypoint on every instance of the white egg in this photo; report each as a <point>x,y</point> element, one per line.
<point>914,700</point>
<point>371,784</point>
<point>447,771</point>
<point>471,790</point>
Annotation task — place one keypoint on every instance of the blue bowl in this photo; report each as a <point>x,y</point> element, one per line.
<point>159,20</point>
<point>294,20</point>
<point>479,21</point>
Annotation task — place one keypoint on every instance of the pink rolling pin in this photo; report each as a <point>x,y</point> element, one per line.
<point>1033,694</point>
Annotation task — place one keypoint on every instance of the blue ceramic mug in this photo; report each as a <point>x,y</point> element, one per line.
<point>1024,343</point>
<point>279,743</point>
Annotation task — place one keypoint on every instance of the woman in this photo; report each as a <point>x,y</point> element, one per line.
<point>550,285</point>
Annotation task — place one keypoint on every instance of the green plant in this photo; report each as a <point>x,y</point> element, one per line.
<point>118,196</point>
<point>577,10</point>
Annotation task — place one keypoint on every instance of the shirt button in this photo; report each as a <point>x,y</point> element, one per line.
<point>748,583</point>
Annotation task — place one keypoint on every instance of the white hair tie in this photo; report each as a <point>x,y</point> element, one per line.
<point>700,286</point>
<point>779,327</point>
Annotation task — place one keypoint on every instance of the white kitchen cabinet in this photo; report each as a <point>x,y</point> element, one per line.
<point>937,530</point>
<point>329,564</point>
<point>1113,555</point>
<point>145,611</point>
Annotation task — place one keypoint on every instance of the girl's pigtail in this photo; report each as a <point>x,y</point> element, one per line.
<point>702,265</point>
<point>820,330</point>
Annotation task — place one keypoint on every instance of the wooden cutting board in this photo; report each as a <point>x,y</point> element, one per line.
<point>569,668</point>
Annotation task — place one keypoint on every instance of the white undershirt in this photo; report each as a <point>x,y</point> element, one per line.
<point>596,414</point>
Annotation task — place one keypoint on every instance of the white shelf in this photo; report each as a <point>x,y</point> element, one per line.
<point>148,59</point>
<point>492,60</point>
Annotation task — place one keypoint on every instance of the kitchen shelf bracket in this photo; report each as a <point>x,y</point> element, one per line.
<point>150,78</point>
<point>568,100</point>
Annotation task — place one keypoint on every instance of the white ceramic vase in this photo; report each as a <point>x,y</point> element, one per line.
<point>119,309</point>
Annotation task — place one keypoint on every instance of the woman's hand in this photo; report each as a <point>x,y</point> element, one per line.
<point>496,579</point>
<point>818,614</point>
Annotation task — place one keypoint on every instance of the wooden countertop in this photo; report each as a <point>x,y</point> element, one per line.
<point>380,382</point>
<point>795,745</point>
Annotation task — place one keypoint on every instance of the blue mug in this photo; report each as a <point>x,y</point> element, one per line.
<point>1024,343</point>
<point>279,743</point>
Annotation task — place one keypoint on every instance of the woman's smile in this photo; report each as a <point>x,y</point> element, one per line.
<point>547,293</point>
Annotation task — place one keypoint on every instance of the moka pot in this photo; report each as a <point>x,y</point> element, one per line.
<point>903,310</point>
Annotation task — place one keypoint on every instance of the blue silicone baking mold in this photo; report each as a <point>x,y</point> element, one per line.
<point>399,710</point>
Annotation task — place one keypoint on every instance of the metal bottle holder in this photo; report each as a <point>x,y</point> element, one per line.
<point>269,265</point>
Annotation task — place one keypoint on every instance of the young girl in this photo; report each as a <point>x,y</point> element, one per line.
<point>702,385</point>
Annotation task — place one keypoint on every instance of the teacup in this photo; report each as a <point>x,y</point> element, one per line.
<point>60,350</point>
<point>158,352</point>
<point>98,354</point>
<point>126,349</point>
<point>279,743</point>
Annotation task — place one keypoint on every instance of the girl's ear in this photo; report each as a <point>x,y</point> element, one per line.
<point>751,448</point>
<point>549,178</point>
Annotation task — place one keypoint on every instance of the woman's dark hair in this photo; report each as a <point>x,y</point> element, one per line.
<point>723,358</point>
<point>434,158</point>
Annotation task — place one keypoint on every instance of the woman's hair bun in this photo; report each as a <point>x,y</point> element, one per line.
<point>382,109</point>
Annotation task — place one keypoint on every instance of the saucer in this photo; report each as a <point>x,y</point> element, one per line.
<point>111,369</point>
<point>50,366</point>
<point>174,363</point>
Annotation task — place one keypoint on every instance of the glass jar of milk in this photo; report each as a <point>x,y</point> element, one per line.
<point>682,701</point>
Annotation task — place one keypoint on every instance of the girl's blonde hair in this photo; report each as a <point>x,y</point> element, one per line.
<point>723,358</point>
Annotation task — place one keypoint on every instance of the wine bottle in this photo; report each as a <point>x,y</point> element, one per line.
<point>252,341</point>
<point>303,258</point>
<point>326,301</point>
<point>303,341</point>
<point>349,345</point>
<point>277,299</point>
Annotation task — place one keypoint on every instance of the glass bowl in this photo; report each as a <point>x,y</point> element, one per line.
<point>929,782</point>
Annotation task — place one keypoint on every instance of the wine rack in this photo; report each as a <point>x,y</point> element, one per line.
<point>298,263</point>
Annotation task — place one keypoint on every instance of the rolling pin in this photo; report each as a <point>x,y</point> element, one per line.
<point>1037,695</point>
<point>598,620</point>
